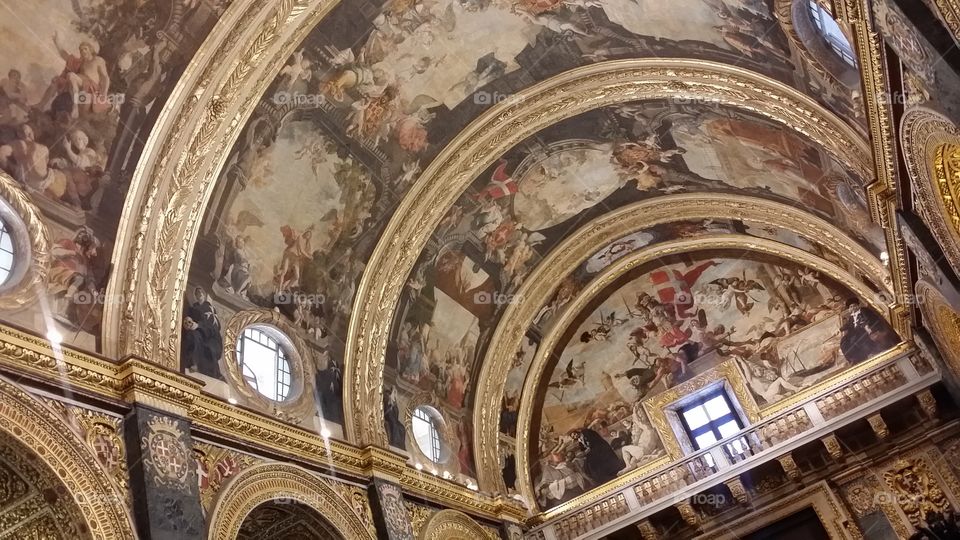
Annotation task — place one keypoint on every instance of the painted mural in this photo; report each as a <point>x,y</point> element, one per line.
<point>574,283</point>
<point>81,83</point>
<point>785,328</point>
<point>372,96</point>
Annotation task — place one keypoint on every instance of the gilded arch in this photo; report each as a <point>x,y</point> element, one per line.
<point>550,342</point>
<point>931,149</point>
<point>943,322</point>
<point>540,285</point>
<point>273,481</point>
<point>451,525</point>
<point>94,491</point>
<point>509,123</point>
<point>32,277</point>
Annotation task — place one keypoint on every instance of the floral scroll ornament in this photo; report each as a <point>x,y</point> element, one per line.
<point>167,456</point>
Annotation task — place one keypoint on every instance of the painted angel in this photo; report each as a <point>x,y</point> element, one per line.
<point>299,69</point>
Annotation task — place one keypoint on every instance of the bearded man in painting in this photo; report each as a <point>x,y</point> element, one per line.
<point>85,78</point>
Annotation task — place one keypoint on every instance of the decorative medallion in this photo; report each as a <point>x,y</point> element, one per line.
<point>168,458</point>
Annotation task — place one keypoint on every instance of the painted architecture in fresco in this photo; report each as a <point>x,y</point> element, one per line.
<point>76,106</point>
<point>783,328</point>
<point>373,95</point>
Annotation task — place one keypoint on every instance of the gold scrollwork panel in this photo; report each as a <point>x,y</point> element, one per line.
<point>942,322</point>
<point>553,338</point>
<point>931,149</point>
<point>101,502</point>
<point>451,525</point>
<point>275,481</point>
<point>562,261</point>
<point>31,239</point>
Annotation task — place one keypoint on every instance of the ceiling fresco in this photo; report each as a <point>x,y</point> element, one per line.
<point>81,85</point>
<point>377,90</point>
<point>781,327</point>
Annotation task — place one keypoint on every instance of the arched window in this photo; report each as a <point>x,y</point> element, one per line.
<point>7,255</point>
<point>426,434</point>
<point>831,32</point>
<point>264,363</point>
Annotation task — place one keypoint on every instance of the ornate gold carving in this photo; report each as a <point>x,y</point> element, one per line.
<point>737,490</point>
<point>215,466</point>
<point>879,426</point>
<point>591,517</point>
<point>40,429</point>
<point>949,11</point>
<point>451,525</point>
<point>647,530</point>
<point>27,281</point>
<point>419,515</point>
<point>916,489</point>
<point>263,483</point>
<point>790,467</point>
<point>168,458</point>
<point>540,286</point>
<point>942,322</point>
<point>301,402</point>
<point>832,444</point>
<point>928,403</point>
<point>102,434</point>
<point>534,378</point>
<point>688,513</point>
<point>180,160</point>
<point>929,142</point>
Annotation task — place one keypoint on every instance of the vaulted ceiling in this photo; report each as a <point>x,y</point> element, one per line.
<point>526,214</point>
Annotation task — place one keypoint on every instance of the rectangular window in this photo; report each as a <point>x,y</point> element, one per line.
<point>710,418</point>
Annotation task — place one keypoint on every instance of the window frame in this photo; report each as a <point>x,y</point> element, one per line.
<point>841,47</point>
<point>712,425</point>
<point>422,414</point>
<point>282,368</point>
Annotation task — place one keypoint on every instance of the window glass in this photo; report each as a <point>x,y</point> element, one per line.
<point>264,364</point>
<point>832,33</point>
<point>6,253</point>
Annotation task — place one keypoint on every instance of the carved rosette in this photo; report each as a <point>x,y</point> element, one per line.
<point>790,467</point>
<point>832,444</point>
<point>879,426</point>
<point>688,513</point>
<point>927,403</point>
<point>737,490</point>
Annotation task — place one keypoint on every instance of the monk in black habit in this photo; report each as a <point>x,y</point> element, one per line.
<point>601,462</point>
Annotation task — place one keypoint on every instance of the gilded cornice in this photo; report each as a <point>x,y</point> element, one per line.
<point>506,125</point>
<point>39,428</point>
<point>924,134</point>
<point>877,99</point>
<point>537,372</point>
<point>538,288</point>
<point>185,152</point>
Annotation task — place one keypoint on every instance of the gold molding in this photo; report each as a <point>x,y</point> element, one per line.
<point>949,11</point>
<point>185,152</point>
<point>943,322</point>
<point>65,453</point>
<point>508,123</point>
<point>565,258</point>
<point>451,525</point>
<point>31,279</point>
<point>622,266</point>
<point>275,481</point>
<point>923,134</point>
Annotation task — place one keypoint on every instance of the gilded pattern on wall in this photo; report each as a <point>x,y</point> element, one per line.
<point>103,433</point>
<point>916,489</point>
<point>165,454</point>
<point>216,465</point>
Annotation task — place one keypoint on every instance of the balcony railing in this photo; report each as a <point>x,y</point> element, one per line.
<point>674,483</point>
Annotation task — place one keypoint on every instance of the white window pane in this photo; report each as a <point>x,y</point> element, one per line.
<point>729,429</point>
<point>261,362</point>
<point>5,243</point>
<point>706,439</point>
<point>717,407</point>
<point>6,260</point>
<point>695,417</point>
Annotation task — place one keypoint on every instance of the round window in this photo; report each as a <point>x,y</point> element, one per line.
<point>832,34</point>
<point>427,425</point>
<point>263,362</point>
